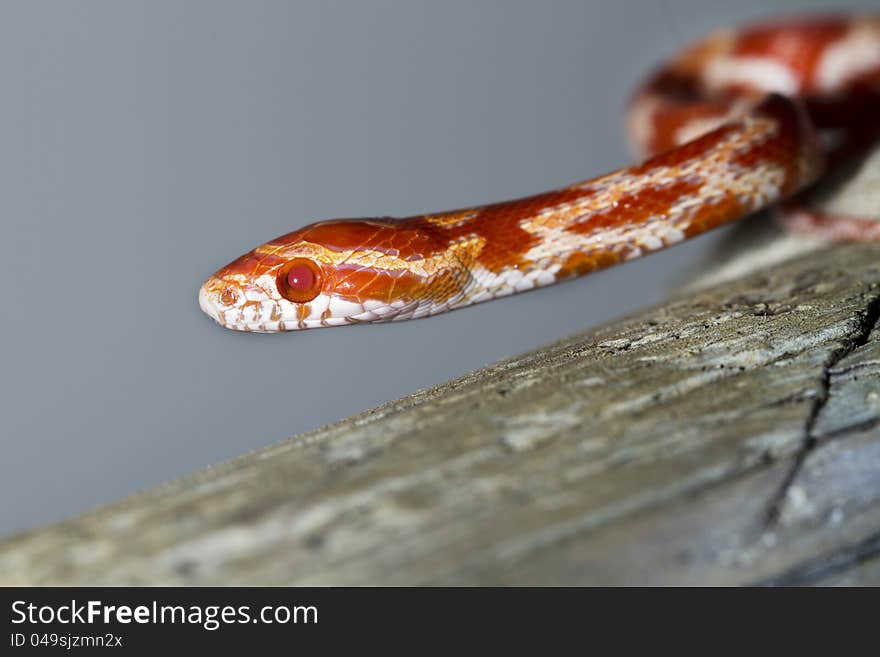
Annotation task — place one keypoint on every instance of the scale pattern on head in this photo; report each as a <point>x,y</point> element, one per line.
<point>337,272</point>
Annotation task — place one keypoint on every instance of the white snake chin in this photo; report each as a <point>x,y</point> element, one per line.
<point>255,311</point>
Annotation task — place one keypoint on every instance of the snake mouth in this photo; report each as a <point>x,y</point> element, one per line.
<point>228,306</point>
<point>244,309</point>
<point>232,308</point>
<point>247,316</point>
<point>210,303</point>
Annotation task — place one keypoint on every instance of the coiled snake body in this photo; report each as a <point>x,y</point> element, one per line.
<point>730,126</point>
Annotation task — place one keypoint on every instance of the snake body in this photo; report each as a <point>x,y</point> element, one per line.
<point>729,126</point>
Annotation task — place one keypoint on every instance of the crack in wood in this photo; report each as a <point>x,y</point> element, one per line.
<point>814,571</point>
<point>866,321</point>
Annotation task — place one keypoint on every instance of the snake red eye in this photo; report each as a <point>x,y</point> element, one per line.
<point>300,280</point>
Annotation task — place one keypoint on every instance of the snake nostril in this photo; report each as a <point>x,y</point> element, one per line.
<point>228,297</point>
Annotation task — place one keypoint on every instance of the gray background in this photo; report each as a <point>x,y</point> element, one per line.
<point>145,144</point>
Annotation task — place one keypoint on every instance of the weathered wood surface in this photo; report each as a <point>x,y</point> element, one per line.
<point>731,436</point>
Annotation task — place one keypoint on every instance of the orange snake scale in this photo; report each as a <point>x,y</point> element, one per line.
<point>732,124</point>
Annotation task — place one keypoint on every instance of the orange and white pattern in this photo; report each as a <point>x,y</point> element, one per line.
<point>730,126</point>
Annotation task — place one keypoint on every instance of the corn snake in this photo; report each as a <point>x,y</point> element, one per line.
<point>734,123</point>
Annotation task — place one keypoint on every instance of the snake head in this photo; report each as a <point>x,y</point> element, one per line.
<point>333,273</point>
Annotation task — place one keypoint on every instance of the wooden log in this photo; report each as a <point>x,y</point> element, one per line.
<point>730,436</point>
